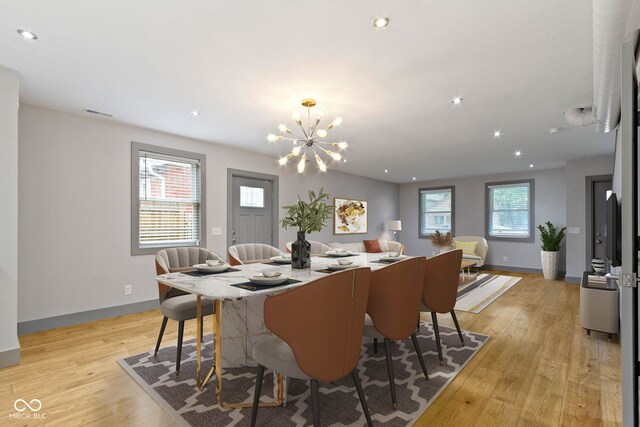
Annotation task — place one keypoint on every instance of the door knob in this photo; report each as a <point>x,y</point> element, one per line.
<point>598,234</point>
<point>598,241</point>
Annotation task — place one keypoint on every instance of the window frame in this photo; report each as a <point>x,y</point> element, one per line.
<point>451,188</point>
<point>487,210</point>
<point>136,148</point>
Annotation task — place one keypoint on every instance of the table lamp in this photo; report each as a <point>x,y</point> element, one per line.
<point>395,226</point>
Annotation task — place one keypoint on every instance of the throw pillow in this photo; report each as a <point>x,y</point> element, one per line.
<point>372,246</point>
<point>468,248</point>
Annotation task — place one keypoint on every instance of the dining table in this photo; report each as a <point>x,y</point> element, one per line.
<point>238,321</point>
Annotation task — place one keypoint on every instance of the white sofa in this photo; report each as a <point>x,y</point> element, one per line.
<point>317,248</point>
<point>385,245</point>
<point>482,247</point>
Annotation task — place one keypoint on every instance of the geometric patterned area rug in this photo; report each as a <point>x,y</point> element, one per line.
<point>475,295</point>
<point>339,400</point>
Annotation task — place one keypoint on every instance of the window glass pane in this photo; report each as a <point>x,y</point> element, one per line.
<point>169,194</point>
<point>509,214</point>
<point>251,197</point>
<point>435,211</point>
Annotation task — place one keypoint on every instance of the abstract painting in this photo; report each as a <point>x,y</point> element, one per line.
<point>350,216</point>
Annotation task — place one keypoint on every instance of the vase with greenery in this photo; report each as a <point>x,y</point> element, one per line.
<point>551,239</point>
<point>308,217</point>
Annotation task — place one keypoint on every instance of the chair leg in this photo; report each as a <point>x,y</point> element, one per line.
<point>455,320</point>
<point>315,403</point>
<point>363,401</point>
<point>436,332</point>
<point>202,329</point>
<point>419,352</point>
<point>392,381</point>
<point>179,352</point>
<point>375,346</point>
<point>256,395</point>
<point>164,325</point>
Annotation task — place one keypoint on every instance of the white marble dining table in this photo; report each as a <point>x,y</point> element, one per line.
<point>238,320</point>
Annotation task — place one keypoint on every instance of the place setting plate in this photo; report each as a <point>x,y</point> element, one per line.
<point>338,254</point>
<point>210,268</point>
<point>391,257</point>
<point>339,266</point>
<point>281,259</point>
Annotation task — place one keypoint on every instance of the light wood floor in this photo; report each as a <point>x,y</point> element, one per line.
<point>538,368</point>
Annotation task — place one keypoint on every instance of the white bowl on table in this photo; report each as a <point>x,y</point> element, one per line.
<point>342,264</point>
<point>217,268</point>
<point>339,252</point>
<point>281,259</point>
<point>392,256</point>
<point>264,280</point>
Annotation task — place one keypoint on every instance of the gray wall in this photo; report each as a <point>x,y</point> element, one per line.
<point>9,345</point>
<point>576,172</point>
<point>550,202</point>
<point>75,209</point>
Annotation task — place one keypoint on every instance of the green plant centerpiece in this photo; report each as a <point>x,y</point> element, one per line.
<point>551,238</point>
<point>308,217</point>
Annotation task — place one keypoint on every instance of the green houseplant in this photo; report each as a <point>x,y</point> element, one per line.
<point>308,217</point>
<point>551,239</point>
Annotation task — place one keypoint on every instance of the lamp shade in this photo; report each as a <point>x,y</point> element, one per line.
<point>395,225</point>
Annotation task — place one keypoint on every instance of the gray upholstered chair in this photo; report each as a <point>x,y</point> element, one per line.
<point>316,334</point>
<point>317,248</point>
<point>175,304</point>
<point>250,253</point>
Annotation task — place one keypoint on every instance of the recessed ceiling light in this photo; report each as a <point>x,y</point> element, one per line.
<point>531,165</point>
<point>554,130</point>
<point>497,134</point>
<point>344,160</point>
<point>414,178</point>
<point>28,34</point>
<point>518,153</point>
<point>457,100</point>
<point>385,171</point>
<point>381,22</point>
<point>195,113</point>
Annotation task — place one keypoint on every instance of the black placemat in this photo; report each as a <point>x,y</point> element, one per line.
<point>249,286</point>
<point>325,270</point>
<point>386,261</point>
<point>278,264</point>
<point>202,273</point>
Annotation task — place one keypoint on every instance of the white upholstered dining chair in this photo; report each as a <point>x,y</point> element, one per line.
<point>250,253</point>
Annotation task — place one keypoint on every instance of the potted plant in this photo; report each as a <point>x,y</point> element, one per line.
<point>443,242</point>
<point>308,217</point>
<point>551,240</point>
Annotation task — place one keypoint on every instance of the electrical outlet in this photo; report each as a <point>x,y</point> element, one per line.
<point>505,259</point>
<point>128,289</point>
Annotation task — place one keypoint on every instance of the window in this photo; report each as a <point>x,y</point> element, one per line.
<point>510,210</point>
<point>251,197</point>
<point>436,210</point>
<point>167,198</point>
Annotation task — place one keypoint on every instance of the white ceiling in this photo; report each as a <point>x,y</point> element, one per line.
<point>245,64</point>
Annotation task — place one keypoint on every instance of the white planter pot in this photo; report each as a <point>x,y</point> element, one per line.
<point>549,264</point>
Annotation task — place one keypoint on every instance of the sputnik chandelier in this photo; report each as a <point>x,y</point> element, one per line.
<point>308,141</point>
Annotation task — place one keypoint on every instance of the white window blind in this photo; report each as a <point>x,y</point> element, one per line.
<point>169,194</point>
<point>436,207</point>
<point>509,210</point>
<point>251,197</point>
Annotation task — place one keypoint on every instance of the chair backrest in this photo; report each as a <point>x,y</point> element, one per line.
<point>394,297</point>
<point>441,280</point>
<point>481,244</point>
<point>248,253</point>
<point>171,260</point>
<point>317,248</point>
<point>323,322</point>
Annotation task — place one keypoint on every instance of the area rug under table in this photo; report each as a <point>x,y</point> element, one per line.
<point>475,295</point>
<point>339,401</point>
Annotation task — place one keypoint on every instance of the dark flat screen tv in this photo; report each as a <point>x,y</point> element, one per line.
<point>614,234</point>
